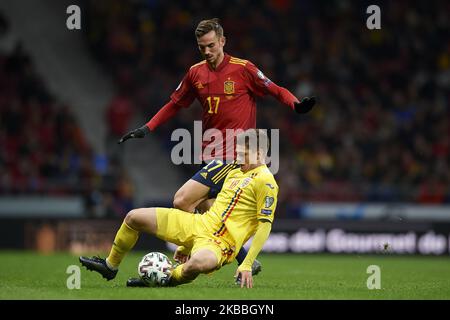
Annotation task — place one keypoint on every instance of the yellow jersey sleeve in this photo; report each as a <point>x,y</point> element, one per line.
<point>266,191</point>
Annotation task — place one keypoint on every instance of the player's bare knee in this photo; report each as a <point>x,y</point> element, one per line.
<point>130,218</point>
<point>177,204</point>
<point>181,202</point>
<point>141,219</point>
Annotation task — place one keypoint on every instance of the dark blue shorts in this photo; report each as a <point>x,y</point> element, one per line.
<point>213,175</point>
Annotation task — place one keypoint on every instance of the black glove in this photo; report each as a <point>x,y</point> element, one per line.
<point>137,133</point>
<point>305,105</point>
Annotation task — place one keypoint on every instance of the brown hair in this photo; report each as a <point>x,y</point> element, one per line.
<point>257,135</point>
<point>206,26</point>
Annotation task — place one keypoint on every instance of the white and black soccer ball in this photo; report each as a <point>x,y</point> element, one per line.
<point>155,269</point>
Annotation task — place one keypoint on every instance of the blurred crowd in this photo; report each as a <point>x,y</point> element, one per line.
<point>43,150</point>
<point>380,131</point>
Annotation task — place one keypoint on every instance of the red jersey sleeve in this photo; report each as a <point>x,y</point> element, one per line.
<point>260,85</point>
<point>184,94</point>
<point>166,113</point>
<point>257,81</point>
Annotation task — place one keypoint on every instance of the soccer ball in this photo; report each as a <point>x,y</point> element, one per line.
<point>155,269</point>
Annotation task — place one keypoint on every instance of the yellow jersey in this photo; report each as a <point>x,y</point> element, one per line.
<point>244,199</point>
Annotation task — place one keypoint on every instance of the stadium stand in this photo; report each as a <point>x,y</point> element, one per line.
<point>381,130</point>
<point>43,150</point>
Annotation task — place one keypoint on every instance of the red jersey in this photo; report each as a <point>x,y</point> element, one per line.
<point>227,95</point>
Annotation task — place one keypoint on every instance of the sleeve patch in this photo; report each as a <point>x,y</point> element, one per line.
<point>263,77</point>
<point>266,211</point>
<point>260,75</point>
<point>268,201</point>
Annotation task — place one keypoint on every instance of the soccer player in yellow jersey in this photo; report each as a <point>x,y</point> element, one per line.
<point>244,207</point>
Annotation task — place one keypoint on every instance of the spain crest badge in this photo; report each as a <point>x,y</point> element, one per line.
<point>228,87</point>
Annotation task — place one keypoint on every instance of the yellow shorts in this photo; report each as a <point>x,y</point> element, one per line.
<point>191,230</point>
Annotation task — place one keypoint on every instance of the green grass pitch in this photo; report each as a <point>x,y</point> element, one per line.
<point>28,275</point>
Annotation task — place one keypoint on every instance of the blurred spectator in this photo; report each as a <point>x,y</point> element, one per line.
<point>43,149</point>
<point>432,191</point>
<point>119,113</point>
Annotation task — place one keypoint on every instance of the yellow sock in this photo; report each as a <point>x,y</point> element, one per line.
<point>124,241</point>
<point>178,278</point>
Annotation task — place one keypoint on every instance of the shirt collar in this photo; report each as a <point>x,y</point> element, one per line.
<point>226,59</point>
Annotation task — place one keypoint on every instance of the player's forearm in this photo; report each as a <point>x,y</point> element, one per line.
<point>261,235</point>
<point>282,94</point>
<point>166,113</point>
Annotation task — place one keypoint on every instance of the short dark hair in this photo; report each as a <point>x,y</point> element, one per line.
<point>206,26</point>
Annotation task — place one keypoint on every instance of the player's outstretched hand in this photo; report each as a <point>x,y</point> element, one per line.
<point>246,278</point>
<point>305,105</point>
<point>181,254</point>
<point>137,133</point>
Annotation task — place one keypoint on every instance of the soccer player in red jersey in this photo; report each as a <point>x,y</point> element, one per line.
<point>227,88</point>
